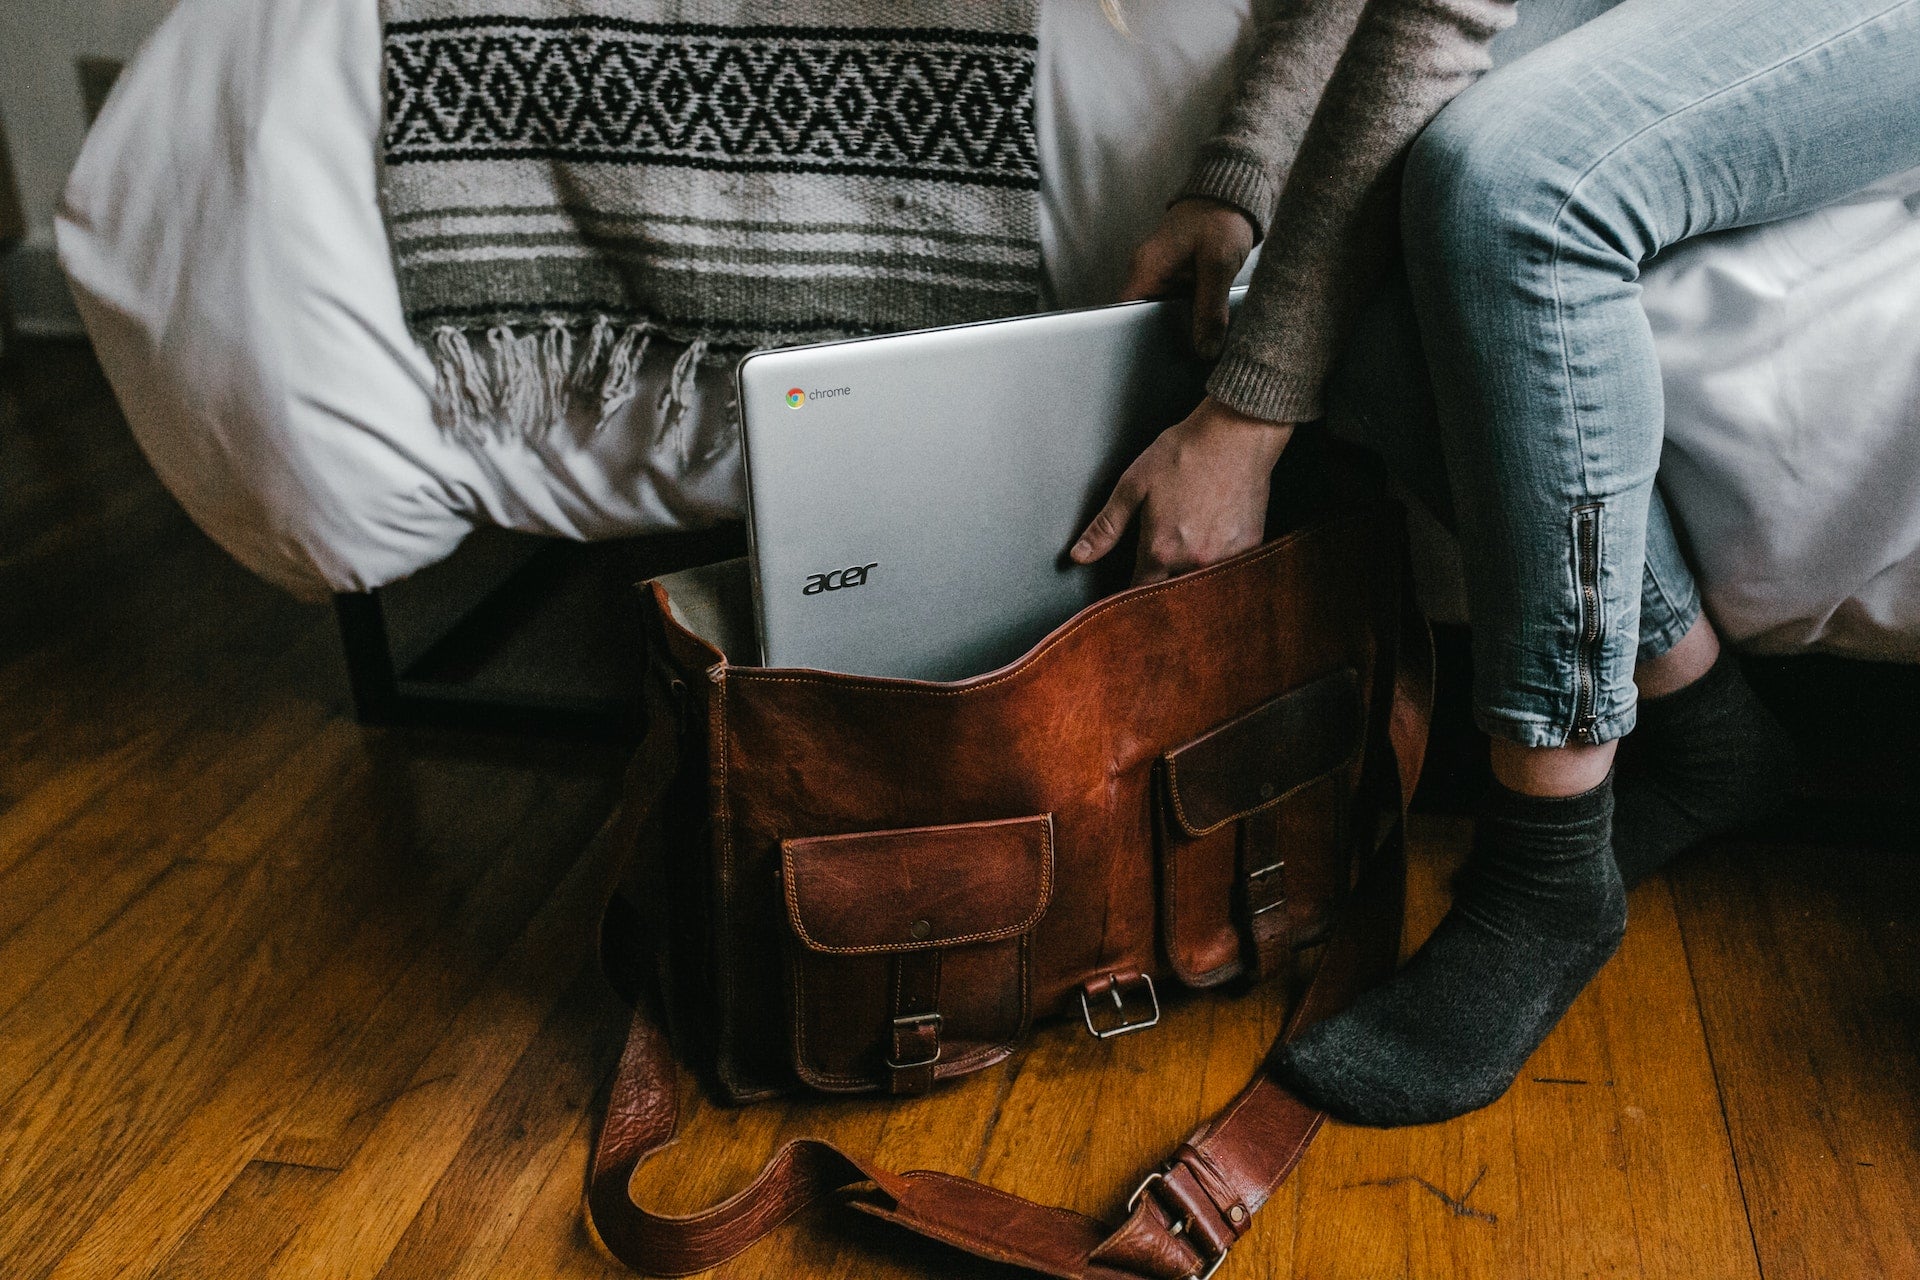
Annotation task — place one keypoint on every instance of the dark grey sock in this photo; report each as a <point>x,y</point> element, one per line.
<point>1536,912</point>
<point>1702,761</point>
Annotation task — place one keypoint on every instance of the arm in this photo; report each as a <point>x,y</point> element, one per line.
<point>1224,208</point>
<point>1333,230</point>
<point>1295,50</point>
<point>1200,490</point>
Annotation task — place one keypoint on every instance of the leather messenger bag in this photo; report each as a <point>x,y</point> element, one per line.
<point>859,885</point>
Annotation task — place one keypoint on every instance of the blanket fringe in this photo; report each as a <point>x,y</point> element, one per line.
<point>673,400</point>
<point>524,383</point>
<point>463,394</point>
<point>620,380</point>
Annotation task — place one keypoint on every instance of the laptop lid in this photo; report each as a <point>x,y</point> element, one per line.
<point>911,497</point>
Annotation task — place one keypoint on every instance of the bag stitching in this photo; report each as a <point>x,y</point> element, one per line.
<point>892,948</point>
<point>1199,833</point>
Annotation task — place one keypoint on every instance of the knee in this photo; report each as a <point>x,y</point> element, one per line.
<point>1503,177</point>
<point>1476,182</point>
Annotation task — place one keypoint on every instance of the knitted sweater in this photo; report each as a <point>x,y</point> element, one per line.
<point>1310,150</point>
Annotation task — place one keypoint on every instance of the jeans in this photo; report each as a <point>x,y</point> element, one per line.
<point>1510,376</point>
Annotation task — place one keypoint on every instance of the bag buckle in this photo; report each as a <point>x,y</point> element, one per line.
<point>918,1020</point>
<point>1179,1226</point>
<point>1123,1022</point>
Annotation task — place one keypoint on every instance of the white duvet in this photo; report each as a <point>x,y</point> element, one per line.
<point>225,245</point>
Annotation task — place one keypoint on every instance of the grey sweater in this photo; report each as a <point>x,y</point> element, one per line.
<point>1310,149</point>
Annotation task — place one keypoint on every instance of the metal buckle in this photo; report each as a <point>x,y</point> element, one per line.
<point>914,1020</point>
<point>1178,1228</point>
<point>1253,877</point>
<point>1125,1024</point>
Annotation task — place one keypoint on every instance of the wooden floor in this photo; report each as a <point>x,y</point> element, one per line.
<point>280,997</point>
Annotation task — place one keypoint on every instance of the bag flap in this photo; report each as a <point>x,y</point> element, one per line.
<point>920,888</point>
<point>1261,757</point>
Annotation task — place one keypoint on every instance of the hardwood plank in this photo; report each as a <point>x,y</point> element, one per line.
<point>365,1211</point>
<point>344,1101</point>
<point>319,1025</point>
<point>82,934</point>
<point>38,807</point>
<point>248,1225</point>
<point>194,777</point>
<point>150,1056</point>
<point>524,1131</point>
<point>1807,965</point>
<point>551,1239</point>
<point>94,1114</point>
<point>86,979</point>
<point>96,935</point>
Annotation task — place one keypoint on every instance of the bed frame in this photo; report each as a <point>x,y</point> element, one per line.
<point>514,633</point>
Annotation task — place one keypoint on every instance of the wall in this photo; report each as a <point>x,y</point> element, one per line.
<point>45,114</point>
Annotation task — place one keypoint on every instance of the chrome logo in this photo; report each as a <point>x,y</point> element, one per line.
<point>796,398</point>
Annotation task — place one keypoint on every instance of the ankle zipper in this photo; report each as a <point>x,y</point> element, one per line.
<point>1586,569</point>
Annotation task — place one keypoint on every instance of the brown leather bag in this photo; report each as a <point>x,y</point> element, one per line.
<point>858,884</point>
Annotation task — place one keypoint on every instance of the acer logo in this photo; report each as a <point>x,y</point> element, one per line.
<point>851,576</point>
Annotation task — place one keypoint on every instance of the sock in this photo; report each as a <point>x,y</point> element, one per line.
<point>1702,761</point>
<point>1536,912</point>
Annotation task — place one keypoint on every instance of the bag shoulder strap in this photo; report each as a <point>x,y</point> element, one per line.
<point>1179,1223</point>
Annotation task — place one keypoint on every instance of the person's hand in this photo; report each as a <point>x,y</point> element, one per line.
<point>1199,245</point>
<point>1200,491</point>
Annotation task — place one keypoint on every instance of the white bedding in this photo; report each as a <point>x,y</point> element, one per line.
<point>225,245</point>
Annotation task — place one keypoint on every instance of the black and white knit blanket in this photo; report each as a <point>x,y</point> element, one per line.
<point>565,179</point>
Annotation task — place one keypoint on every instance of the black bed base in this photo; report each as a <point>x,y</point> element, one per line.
<point>515,633</point>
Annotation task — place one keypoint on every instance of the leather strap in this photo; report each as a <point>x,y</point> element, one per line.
<point>1184,1218</point>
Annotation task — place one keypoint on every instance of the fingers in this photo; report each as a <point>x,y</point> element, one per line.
<point>1152,271</point>
<point>1145,576</point>
<point>1149,568</point>
<point>1105,531</point>
<point>1212,286</point>
<point>1162,554</point>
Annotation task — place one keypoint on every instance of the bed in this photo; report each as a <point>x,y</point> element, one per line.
<point>224,243</point>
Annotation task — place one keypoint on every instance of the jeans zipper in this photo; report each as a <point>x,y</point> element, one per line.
<point>1586,570</point>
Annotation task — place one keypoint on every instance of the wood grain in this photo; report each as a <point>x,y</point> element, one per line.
<point>283,997</point>
<point>1808,968</point>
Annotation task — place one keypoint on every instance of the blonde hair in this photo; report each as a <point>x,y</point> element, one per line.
<point>1116,15</point>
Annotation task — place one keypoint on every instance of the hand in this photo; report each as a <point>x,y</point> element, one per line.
<point>1201,492</point>
<point>1200,245</point>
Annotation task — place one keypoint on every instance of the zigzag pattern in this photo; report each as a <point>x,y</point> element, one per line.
<point>917,104</point>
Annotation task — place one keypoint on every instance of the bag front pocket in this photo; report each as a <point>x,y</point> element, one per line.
<point>909,951</point>
<point>1254,854</point>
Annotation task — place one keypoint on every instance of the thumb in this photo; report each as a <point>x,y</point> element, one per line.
<point>1105,531</point>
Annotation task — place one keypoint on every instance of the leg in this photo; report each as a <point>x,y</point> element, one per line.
<point>1530,204</point>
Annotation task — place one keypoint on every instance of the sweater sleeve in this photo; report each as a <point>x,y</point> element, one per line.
<point>1333,230</point>
<point>1293,54</point>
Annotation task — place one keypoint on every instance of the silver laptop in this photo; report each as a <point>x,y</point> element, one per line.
<point>911,498</point>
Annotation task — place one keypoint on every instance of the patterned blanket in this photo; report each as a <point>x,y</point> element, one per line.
<point>565,179</point>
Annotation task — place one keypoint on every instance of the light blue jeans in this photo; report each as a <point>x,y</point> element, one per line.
<point>1510,376</point>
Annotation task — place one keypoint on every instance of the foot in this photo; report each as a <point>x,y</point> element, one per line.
<point>1537,911</point>
<point>1703,761</point>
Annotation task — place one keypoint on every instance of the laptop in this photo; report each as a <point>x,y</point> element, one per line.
<point>911,497</point>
